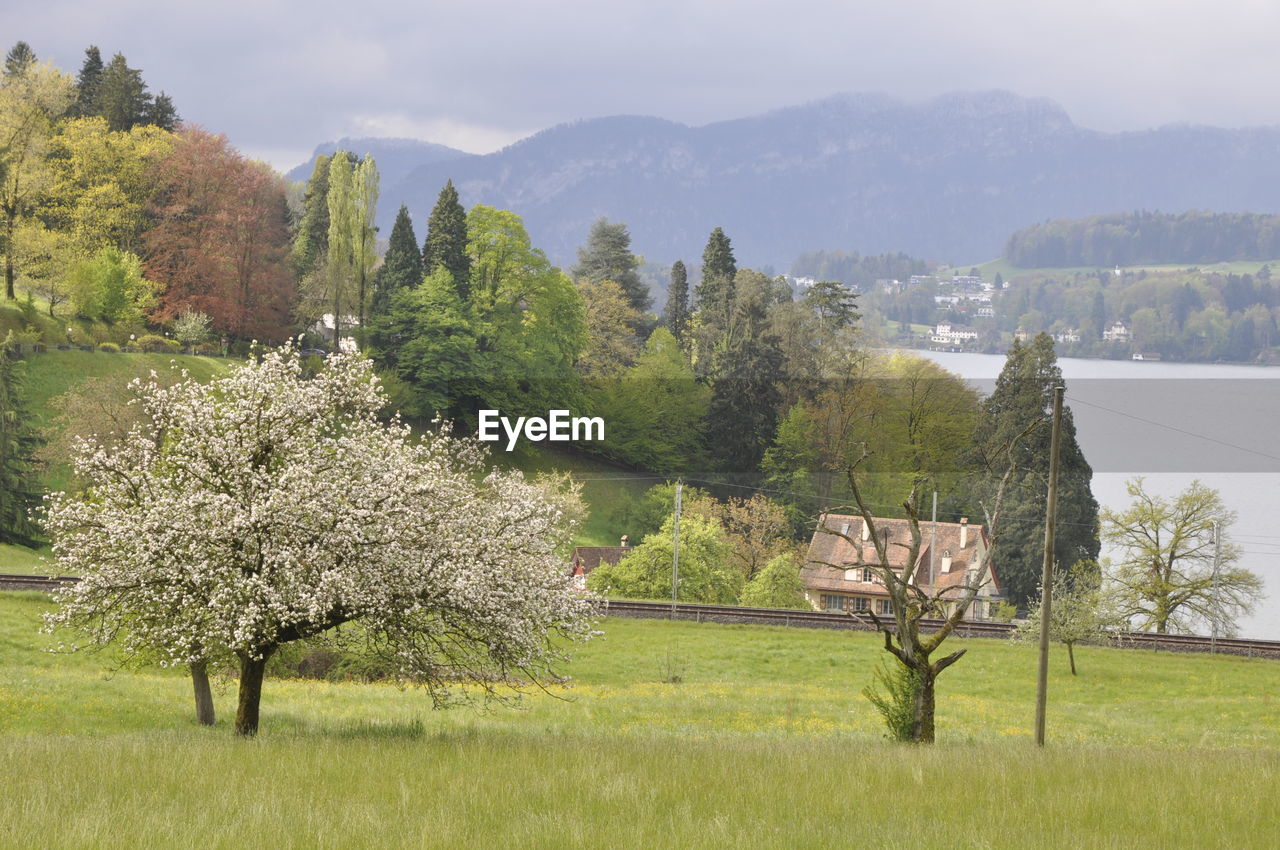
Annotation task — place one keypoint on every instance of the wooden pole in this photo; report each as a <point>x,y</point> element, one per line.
<point>1046,593</point>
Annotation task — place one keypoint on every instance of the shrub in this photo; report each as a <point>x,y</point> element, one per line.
<point>109,347</point>
<point>156,343</point>
<point>897,704</point>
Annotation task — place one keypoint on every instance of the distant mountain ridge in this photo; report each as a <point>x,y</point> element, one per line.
<point>395,157</point>
<point>950,178</point>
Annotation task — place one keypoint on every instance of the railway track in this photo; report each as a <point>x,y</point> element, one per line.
<point>734,614</point>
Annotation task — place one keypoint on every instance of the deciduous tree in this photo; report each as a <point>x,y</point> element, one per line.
<point>1082,611</point>
<point>1166,578</point>
<point>220,239</point>
<point>645,573</point>
<point>265,507</point>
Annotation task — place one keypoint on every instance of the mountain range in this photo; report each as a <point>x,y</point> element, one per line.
<point>948,179</point>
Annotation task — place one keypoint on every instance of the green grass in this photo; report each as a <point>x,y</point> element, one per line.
<point>765,741</point>
<point>607,488</point>
<point>20,559</point>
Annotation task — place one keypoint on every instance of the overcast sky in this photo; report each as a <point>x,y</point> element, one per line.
<point>280,76</point>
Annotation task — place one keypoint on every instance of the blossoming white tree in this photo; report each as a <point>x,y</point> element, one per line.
<point>264,507</point>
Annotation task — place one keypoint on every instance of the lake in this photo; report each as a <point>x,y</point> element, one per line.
<point>1174,423</point>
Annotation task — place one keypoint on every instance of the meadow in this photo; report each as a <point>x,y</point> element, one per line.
<point>673,734</point>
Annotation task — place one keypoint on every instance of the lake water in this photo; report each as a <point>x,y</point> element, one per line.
<point>1174,423</point>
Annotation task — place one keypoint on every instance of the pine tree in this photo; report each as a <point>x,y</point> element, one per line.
<point>1024,394</point>
<point>162,113</point>
<point>88,83</point>
<point>715,290</point>
<point>19,491</point>
<point>122,97</point>
<point>607,256</point>
<point>401,266</point>
<point>676,314</point>
<point>446,242</point>
<point>312,240</point>
<point>19,59</point>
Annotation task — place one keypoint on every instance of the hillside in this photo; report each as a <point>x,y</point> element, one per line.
<point>948,179</point>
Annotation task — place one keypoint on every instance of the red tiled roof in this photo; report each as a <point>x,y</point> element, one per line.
<point>837,545</point>
<point>591,556</point>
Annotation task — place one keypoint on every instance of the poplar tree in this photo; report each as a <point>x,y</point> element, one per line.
<point>446,242</point>
<point>676,314</point>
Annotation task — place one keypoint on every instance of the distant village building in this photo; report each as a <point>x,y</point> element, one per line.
<point>839,572</point>
<point>986,312</point>
<point>966,281</point>
<point>1117,332</point>
<point>920,279</point>
<point>950,334</point>
<point>1069,335</point>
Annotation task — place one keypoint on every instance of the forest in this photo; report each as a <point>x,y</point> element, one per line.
<point>1126,239</point>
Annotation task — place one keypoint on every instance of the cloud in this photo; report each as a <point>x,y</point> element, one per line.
<point>281,75</point>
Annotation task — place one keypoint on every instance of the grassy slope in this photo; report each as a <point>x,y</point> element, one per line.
<point>767,741</point>
<point>51,374</point>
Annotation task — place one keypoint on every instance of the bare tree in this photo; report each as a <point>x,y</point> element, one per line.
<point>912,603</point>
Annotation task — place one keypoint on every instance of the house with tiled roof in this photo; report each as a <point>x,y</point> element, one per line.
<point>839,572</point>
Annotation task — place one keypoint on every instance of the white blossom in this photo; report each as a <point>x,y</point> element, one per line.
<point>264,507</point>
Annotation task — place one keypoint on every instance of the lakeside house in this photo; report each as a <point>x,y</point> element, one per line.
<point>839,571</point>
<point>587,558</point>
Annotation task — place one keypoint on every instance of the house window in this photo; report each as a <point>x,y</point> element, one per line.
<point>831,602</point>
<point>860,603</point>
<point>885,607</point>
<point>868,575</point>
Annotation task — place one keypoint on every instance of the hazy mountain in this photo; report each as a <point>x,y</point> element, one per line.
<point>395,157</point>
<point>947,179</point>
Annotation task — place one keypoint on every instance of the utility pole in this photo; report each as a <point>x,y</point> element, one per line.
<point>1046,593</point>
<point>675,552</point>
<point>1217,556</point>
<point>933,543</point>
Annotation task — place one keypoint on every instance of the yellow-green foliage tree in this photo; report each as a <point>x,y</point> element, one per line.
<point>705,572</point>
<point>32,98</point>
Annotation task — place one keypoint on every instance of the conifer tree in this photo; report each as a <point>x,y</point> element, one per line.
<point>715,290</point>
<point>19,58</point>
<point>122,96</point>
<point>88,83</point>
<point>676,314</point>
<point>446,242</point>
<point>1024,394</point>
<point>312,240</point>
<point>19,490</point>
<point>162,113</point>
<point>607,256</point>
<point>401,267</point>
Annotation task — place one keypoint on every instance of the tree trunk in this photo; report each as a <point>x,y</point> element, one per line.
<point>1072,655</point>
<point>922,725</point>
<point>8,268</point>
<point>204,696</point>
<point>251,673</point>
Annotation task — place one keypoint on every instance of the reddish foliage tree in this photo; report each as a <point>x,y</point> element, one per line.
<point>219,241</point>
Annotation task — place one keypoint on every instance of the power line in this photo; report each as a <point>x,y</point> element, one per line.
<point>1174,428</point>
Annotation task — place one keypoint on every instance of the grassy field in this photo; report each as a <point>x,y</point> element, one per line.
<point>763,740</point>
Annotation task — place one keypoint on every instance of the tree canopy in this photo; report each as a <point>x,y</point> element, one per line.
<point>266,507</point>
